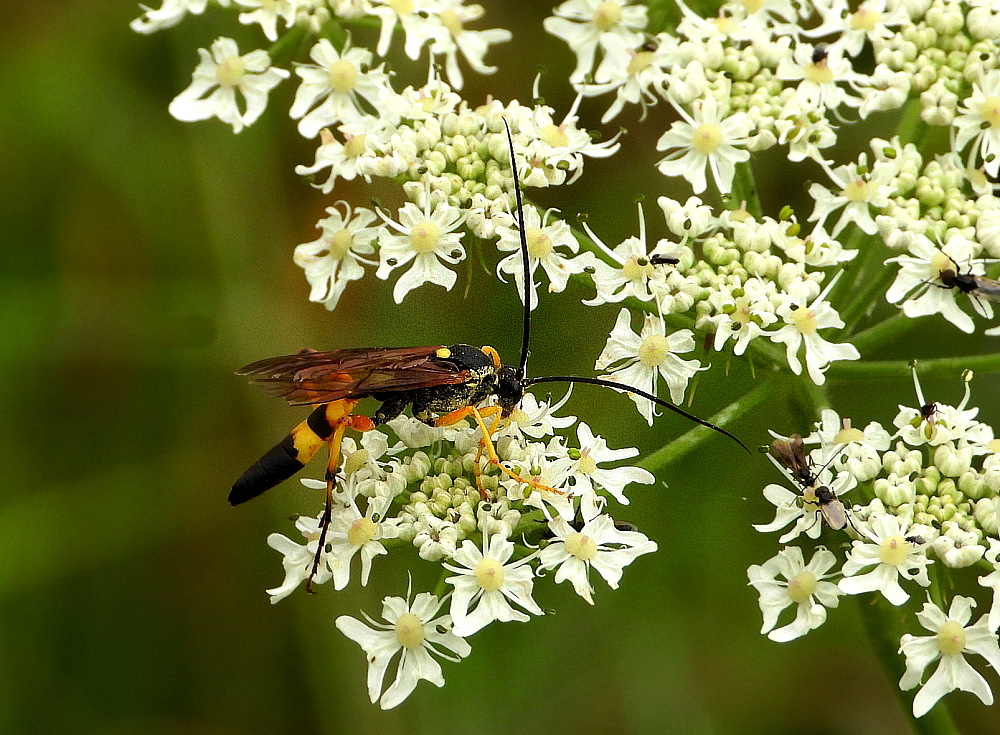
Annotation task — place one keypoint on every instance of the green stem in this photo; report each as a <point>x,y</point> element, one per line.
<point>880,370</point>
<point>870,282</point>
<point>885,331</point>
<point>289,46</point>
<point>884,624</point>
<point>814,398</point>
<point>690,440</point>
<point>911,128</point>
<point>745,191</point>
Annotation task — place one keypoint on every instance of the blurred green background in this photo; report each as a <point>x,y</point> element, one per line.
<point>142,260</point>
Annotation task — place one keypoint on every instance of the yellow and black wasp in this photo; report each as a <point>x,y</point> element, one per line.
<point>441,384</point>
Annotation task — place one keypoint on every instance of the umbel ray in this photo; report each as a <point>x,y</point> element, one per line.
<point>441,384</point>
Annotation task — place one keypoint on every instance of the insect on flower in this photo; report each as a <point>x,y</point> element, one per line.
<point>791,455</point>
<point>441,384</point>
<point>968,283</point>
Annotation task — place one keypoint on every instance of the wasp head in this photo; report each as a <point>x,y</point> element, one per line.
<point>510,389</point>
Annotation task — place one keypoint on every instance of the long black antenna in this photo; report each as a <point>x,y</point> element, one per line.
<point>638,392</point>
<point>526,327</point>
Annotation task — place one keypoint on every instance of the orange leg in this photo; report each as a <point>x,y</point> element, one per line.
<point>349,421</point>
<point>487,444</point>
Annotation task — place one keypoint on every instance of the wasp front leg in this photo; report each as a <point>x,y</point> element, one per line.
<point>486,443</point>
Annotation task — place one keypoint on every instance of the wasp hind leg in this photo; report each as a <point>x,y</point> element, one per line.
<point>486,444</point>
<point>350,421</point>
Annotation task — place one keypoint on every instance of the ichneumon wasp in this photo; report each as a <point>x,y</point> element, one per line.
<point>441,384</point>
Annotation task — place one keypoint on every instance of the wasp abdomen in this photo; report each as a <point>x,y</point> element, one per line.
<point>289,455</point>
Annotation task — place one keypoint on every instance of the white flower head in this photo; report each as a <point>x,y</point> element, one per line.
<point>417,634</point>
<point>335,259</point>
<point>169,14</point>
<point>425,237</point>
<point>455,38</point>
<point>332,89</point>
<point>597,545</point>
<point>886,549</point>
<point>802,325</point>
<point>222,73</point>
<point>486,579</point>
<point>919,284</point>
<point>266,14</point>
<point>800,584</point>
<point>585,473</point>
<point>585,24</point>
<point>952,637</point>
<point>707,136</point>
<point>636,359</point>
<point>820,72</point>
<point>979,122</point>
<point>859,191</point>
<point>633,275</point>
<point>544,239</point>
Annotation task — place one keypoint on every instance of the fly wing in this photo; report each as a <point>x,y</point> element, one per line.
<point>311,377</point>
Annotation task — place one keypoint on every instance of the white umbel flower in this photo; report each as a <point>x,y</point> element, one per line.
<point>486,579</point>
<point>952,637</point>
<point>707,136</point>
<point>332,88</point>
<point>979,123</point>
<point>802,325</point>
<point>585,24</point>
<point>412,631</point>
<point>885,548</point>
<point>598,545</point>
<point>636,359</point>
<point>801,584</point>
<point>222,73</point>
<point>918,282</point>
<point>426,238</point>
<point>335,259</point>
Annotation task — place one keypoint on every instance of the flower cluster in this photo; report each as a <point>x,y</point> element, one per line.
<point>434,489</point>
<point>923,507</point>
<point>788,74</point>
<point>799,295</point>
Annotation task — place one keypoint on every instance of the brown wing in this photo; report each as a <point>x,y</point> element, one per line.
<point>322,377</point>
